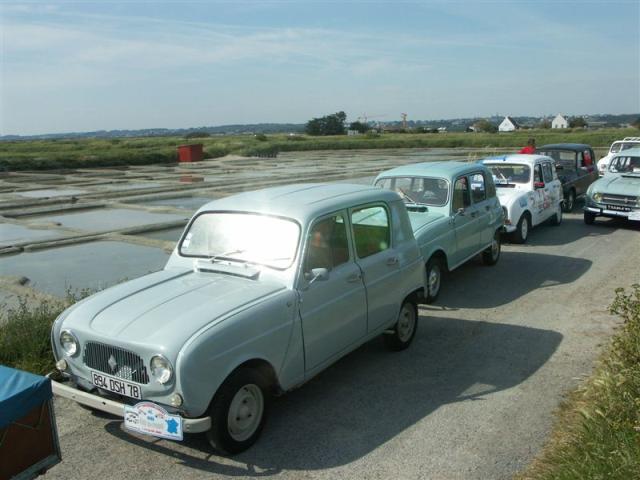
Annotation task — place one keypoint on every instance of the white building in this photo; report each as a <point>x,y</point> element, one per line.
<point>559,122</point>
<point>508,125</point>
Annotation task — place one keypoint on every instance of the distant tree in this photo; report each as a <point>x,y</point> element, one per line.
<point>327,125</point>
<point>544,124</point>
<point>261,137</point>
<point>197,134</point>
<point>577,122</point>
<point>359,126</point>
<point>636,123</point>
<point>485,126</point>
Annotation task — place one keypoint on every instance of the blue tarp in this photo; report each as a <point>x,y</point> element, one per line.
<point>20,392</point>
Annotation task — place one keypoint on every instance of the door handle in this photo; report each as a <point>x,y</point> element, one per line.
<point>392,261</point>
<point>356,277</point>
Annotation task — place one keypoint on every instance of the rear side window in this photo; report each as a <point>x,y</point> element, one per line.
<point>537,173</point>
<point>371,230</point>
<point>461,197</point>
<point>478,189</point>
<point>546,172</point>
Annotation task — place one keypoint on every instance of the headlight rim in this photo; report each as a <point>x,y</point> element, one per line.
<point>168,367</point>
<point>596,197</point>
<point>76,342</point>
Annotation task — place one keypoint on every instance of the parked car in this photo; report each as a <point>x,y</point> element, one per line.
<point>454,213</point>
<point>575,168</point>
<point>617,194</point>
<point>529,191</point>
<point>263,291</point>
<point>616,147</point>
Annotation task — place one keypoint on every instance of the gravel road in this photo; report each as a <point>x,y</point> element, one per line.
<point>472,398</point>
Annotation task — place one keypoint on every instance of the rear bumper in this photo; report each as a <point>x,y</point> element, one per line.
<point>62,389</point>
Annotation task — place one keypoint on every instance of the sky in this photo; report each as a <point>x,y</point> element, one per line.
<point>69,66</point>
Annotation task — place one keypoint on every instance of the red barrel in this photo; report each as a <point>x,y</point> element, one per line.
<point>190,153</point>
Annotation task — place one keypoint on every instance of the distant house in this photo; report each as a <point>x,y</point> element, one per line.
<point>559,122</point>
<point>508,125</point>
<point>352,133</point>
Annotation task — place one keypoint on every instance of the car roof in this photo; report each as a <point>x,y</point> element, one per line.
<point>442,169</point>
<point>525,159</point>
<point>576,147</point>
<point>629,152</point>
<point>302,201</point>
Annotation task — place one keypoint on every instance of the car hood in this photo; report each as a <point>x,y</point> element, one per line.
<point>619,184</point>
<point>165,307</point>
<point>507,195</point>
<point>420,220</point>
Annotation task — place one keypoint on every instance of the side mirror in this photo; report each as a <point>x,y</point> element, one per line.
<point>538,184</point>
<point>460,212</point>
<point>321,274</point>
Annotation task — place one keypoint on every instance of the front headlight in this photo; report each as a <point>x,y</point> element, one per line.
<point>69,343</point>
<point>161,369</point>
<point>597,197</point>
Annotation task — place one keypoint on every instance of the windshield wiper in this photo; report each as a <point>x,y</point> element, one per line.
<point>406,196</point>
<point>219,256</point>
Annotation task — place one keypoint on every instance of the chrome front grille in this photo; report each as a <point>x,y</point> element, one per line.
<point>621,200</point>
<point>115,361</point>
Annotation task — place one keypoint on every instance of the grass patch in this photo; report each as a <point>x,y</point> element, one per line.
<point>597,433</point>
<point>91,152</point>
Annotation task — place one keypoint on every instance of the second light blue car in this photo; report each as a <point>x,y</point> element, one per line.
<point>454,212</point>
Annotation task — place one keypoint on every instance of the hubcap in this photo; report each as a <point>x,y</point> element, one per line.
<point>245,412</point>
<point>434,280</point>
<point>406,323</point>
<point>570,202</point>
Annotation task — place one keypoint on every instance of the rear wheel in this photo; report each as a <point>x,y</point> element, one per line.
<point>403,332</point>
<point>556,220</point>
<point>589,218</point>
<point>522,229</point>
<point>434,278</point>
<point>492,254</point>
<point>238,411</point>
<point>569,201</point>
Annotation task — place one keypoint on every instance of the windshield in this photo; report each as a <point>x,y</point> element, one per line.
<point>625,165</point>
<point>244,237</point>
<point>562,158</point>
<point>418,190</point>
<point>620,146</point>
<point>509,173</point>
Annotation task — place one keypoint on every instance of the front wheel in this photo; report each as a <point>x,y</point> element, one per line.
<point>492,254</point>
<point>434,279</point>
<point>238,412</point>
<point>522,229</point>
<point>403,332</point>
<point>589,218</point>
<point>569,202</point>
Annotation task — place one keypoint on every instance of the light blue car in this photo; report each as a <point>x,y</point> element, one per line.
<point>617,193</point>
<point>264,290</point>
<point>454,212</point>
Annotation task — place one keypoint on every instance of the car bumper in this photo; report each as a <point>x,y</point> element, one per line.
<point>508,228</point>
<point>62,389</point>
<point>603,212</point>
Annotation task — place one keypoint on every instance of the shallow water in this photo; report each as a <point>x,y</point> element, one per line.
<point>11,234</point>
<point>107,219</point>
<point>169,235</point>
<point>93,265</point>
<point>50,192</point>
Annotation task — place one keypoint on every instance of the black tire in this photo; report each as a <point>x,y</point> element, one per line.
<point>556,220</point>
<point>569,202</point>
<point>434,278</point>
<point>404,331</point>
<point>522,229</point>
<point>245,392</point>
<point>492,254</point>
<point>589,218</point>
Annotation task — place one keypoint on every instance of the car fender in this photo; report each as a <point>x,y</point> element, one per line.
<point>210,356</point>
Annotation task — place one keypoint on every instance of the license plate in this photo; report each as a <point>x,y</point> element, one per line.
<point>116,385</point>
<point>619,208</point>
